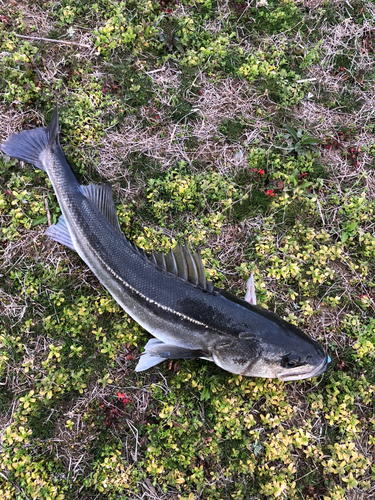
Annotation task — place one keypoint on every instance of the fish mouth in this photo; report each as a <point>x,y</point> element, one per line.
<point>318,370</point>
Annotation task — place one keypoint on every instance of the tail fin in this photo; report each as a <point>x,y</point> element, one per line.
<point>30,144</point>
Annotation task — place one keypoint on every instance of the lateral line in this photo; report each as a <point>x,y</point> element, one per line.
<point>165,308</point>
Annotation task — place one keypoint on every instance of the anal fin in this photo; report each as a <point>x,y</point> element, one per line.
<point>59,232</point>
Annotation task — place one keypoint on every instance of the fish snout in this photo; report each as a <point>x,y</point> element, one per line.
<point>307,369</point>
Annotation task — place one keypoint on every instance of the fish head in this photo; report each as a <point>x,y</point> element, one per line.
<point>270,348</point>
<point>290,360</point>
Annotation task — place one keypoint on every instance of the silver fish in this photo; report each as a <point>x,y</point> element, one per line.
<point>167,294</point>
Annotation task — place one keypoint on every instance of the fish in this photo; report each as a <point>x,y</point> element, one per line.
<point>168,294</point>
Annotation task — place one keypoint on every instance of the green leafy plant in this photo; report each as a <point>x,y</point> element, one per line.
<point>168,35</point>
<point>300,142</point>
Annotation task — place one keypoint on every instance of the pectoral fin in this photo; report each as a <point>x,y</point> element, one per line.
<point>157,351</point>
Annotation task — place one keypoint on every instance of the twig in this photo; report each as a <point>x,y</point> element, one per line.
<point>306,80</point>
<point>52,40</point>
<point>320,211</point>
<point>155,70</point>
<point>47,210</point>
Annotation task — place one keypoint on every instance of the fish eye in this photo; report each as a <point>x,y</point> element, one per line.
<point>290,361</point>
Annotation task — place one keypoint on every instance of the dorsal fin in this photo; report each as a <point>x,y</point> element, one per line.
<point>182,268</point>
<point>192,266</point>
<point>170,261</point>
<point>202,281</point>
<point>184,264</point>
<point>101,195</point>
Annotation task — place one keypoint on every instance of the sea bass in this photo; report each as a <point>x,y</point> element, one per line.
<point>167,294</point>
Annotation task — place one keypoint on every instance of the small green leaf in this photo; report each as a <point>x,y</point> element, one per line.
<point>39,220</point>
<point>311,140</point>
<point>352,226</point>
<point>292,132</point>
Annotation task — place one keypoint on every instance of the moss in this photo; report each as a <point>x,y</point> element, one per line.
<point>318,171</point>
<point>232,129</point>
<point>349,102</point>
<point>257,202</point>
<point>273,17</point>
<point>43,423</point>
<point>6,398</point>
<point>183,110</point>
<point>133,87</point>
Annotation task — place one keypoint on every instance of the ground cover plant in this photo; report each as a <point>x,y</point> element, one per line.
<point>247,129</point>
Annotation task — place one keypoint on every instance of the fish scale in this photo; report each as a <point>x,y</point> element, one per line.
<point>168,295</point>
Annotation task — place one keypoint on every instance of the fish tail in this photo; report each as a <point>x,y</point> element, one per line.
<point>29,145</point>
